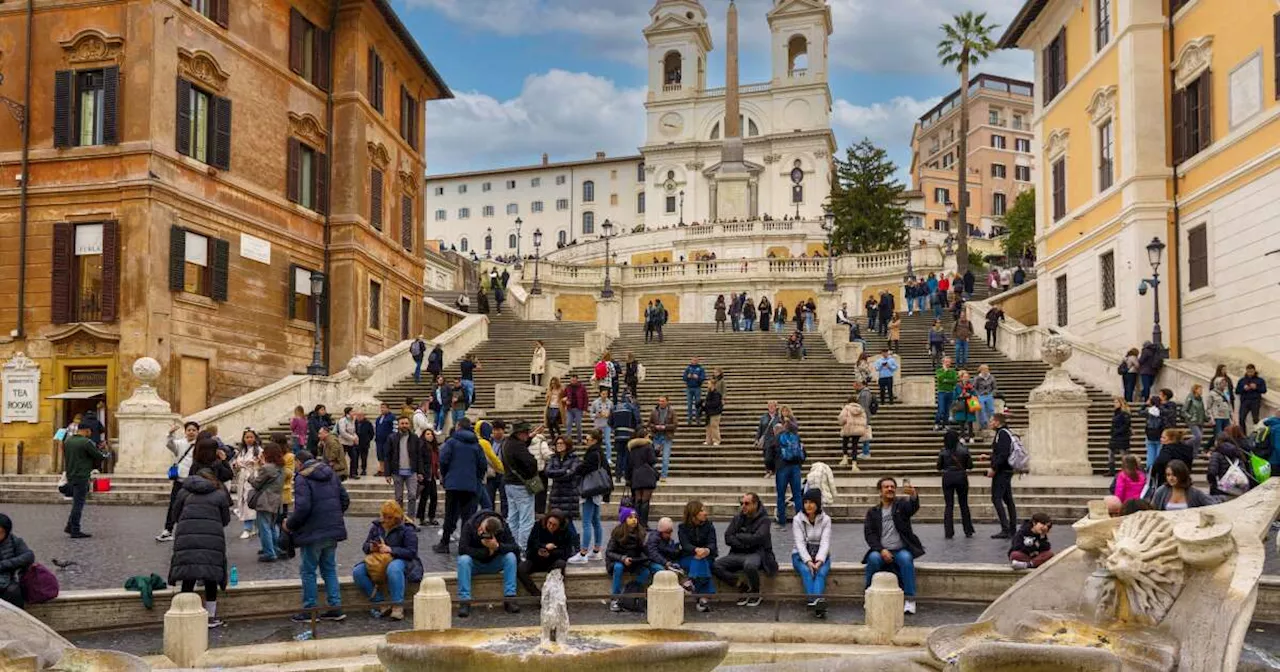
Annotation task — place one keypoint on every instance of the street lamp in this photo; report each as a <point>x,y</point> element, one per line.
<point>519,263</point>
<point>537,245</point>
<point>1155,249</point>
<point>317,367</point>
<point>682,207</point>
<point>607,233</point>
<point>488,243</point>
<point>829,225</point>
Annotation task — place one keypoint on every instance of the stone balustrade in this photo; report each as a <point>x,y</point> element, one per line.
<point>758,235</point>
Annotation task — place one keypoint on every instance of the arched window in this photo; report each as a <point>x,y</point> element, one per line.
<point>672,64</point>
<point>588,192</point>
<point>797,56</point>
<point>715,131</point>
<point>746,124</point>
<point>562,238</point>
<point>462,245</point>
<point>488,243</point>
<point>511,241</point>
<point>752,129</point>
<point>588,223</point>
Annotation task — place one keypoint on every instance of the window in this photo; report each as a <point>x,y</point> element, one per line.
<point>1022,173</point>
<point>535,182</point>
<point>1022,145</point>
<point>1054,63</point>
<point>512,241</point>
<point>562,238</point>
<point>1060,285</point>
<point>941,195</point>
<point>640,172</point>
<point>998,204</point>
<point>1192,118</point>
<point>406,315</point>
<point>511,184</point>
<point>588,223</point>
<point>86,281</point>
<point>462,188</point>
<point>967,201</point>
<point>588,192</point>
<point>374,85</point>
<point>1198,258</point>
<point>302,305</point>
<point>562,204</point>
<point>85,107</point>
<point>671,205</point>
<point>536,206</point>
<point>613,199</point>
<point>375,305</point>
<point>464,213</point>
<point>1107,279</point>
<point>462,245</point>
<point>1059,189</point>
<point>1102,23</point>
<point>439,191</point>
<point>308,50</point>
<point>948,160</point>
<point>214,10</point>
<point>308,177</point>
<point>941,225</point>
<point>406,222</point>
<point>559,180</point>
<point>409,117</point>
<point>993,116</point>
<point>998,170</point>
<point>797,193</point>
<point>998,141</point>
<point>1106,156</point>
<point>486,187</point>
<point>640,203</point>
<point>204,126</point>
<point>375,199</point>
<point>613,174</point>
<point>488,211</point>
<point>198,264</point>
<point>513,209</point>
<point>1017,124</point>
<point>441,215</point>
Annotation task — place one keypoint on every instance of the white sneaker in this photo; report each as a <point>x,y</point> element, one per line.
<point>578,559</point>
<point>594,555</point>
<point>244,534</point>
<point>855,468</point>
<point>1018,564</point>
<point>165,535</point>
<point>844,461</point>
<point>909,607</point>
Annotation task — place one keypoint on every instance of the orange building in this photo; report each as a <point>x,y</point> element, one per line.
<point>1001,162</point>
<point>186,166</point>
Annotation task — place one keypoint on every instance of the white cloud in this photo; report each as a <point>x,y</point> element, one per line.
<point>612,27</point>
<point>565,114</point>
<point>887,124</point>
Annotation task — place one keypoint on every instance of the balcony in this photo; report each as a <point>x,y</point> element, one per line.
<point>671,88</point>
<point>1002,123</point>
<point>798,73</point>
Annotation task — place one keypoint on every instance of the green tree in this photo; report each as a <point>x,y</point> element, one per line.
<point>966,42</point>
<point>868,202</point>
<point>1020,222</point>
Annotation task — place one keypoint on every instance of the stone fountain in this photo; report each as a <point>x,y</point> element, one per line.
<point>553,646</point>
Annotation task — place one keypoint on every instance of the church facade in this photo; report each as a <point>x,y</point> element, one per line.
<point>785,129</point>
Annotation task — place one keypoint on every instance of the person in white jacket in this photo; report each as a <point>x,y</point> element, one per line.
<point>812,555</point>
<point>348,438</point>
<point>181,441</point>
<point>538,365</point>
<point>855,428</point>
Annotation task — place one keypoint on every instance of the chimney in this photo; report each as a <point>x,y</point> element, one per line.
<point>545,159</point>
<point>599,155</point>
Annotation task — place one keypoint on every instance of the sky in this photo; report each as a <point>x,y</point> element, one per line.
<point>568,77</point>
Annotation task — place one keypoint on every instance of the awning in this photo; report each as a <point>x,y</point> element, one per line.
<point>79,394</point>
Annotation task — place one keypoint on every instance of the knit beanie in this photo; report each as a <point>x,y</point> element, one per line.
<point>813,495</point>
<point>624,512</point>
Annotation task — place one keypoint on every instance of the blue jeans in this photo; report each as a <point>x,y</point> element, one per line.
<point>988,408</point>
<point>815,585</point>
<point>395,582</point>
<point>1147,382</point>
<point>266,523</point>
<point>574,425</point>
<point>417,369</point>
<point>467,565</point>
<point>1153,449</point>
<point>520,506</point>
<point>440,420</point>
<point>748,324</point>
<point>322,556</point>
<point>944,407</point>
<point>663,442</point>
<point>808,322</point>
<point>937,307</point>
<point>591,528</point>
<point>699,572</point>
<point>1220,425</point>
<point>787,475</point>
<point>470,387</point>
<point>903,565</point>
<point>692,396</point>
<point>640,569</point>
<point>962,352</point>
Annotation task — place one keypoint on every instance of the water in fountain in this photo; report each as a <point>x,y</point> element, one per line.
<point>556,637</point>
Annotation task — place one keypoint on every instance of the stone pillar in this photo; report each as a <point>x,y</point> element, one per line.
<point>186,630</point>
<point>432,609</point>
<point>916,390</point>
<point>359,395</point>
<point>609,315</point>
<point>144,421</point>
<point>882,603</point>
<point>1058,438</point>
<point>666,601</point>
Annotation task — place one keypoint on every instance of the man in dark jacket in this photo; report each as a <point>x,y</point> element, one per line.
<point>1250,389</point>
<point>15,557</point>
<point>1001,475</point>
<point>750,550</point>
<point>662,548</point>
<point>435,361</point>
<point>519,467</point>
<point>968,284</point>
<point>364,437</point>
<point>786,454</point>
<point>486,546</point>
<point>404,465</point>
<point>624,420</point>
<point>548,548</point>
<point>892,545</point>
<point>316,526</point>
<point>694,376</point>
<point>80,454</point>
<point>382,429</point>
<point>766,440</point>
<point>885,307</point>
<point>462,467</point>
<point>1150,360</point>
<point>417,350</point>
<point>575,403</point>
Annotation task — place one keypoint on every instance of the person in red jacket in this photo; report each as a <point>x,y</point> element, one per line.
<point>575,402</point>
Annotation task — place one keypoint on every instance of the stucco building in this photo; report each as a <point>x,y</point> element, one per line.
<point>188,165</point>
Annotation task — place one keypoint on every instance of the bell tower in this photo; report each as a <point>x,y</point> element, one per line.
<point>679,40</point>
<point>801,38</point>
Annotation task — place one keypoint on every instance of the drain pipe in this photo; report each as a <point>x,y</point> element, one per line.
<point>21,331</point>
<point>327,337</point>
<point>1175,248</point>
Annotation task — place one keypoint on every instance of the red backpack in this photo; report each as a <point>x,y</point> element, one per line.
<point>602,370</point>
<point>39,584</point>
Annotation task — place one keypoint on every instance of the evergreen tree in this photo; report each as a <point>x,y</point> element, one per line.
<point>1020,223</point>
<point>868,202</point>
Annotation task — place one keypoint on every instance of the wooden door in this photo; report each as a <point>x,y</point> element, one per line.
<point>193,379</point>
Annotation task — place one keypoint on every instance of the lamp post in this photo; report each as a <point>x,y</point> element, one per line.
<point>607,233</point>
<point>829,225</point>
<point>682,207</point>
<point>1155,249</point>
<point>488,243</point>
<point>317,367</point>
<point>519,264</point>
<point>537,245</point>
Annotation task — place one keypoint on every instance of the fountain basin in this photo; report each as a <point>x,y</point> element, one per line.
<point>586,650</point>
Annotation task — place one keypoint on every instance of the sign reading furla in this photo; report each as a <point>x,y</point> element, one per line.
<point>21,383</point>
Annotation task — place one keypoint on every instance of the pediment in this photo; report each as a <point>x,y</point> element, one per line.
<point>86,329</point>
<point>679,24</point>
<point>796,8</point>
<point>92,46</point>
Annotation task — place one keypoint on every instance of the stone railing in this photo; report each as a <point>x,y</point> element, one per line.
<point>678,239</point>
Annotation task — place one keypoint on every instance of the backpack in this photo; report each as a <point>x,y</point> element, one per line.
<point>790,448</point>
<point>602,370</point>
<point>1261,435</point>
<point>416,348</point>
<point>1123,368</point>
<point>1260,467</point>
<point>435,357</point>
<point>1234,482</point>
<point>39,584</point>
<point>1019,458</point>
<point>874,406</point>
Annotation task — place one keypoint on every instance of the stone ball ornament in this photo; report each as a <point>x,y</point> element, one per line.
<point>1055,351</point>
<point>146,370</point>
<point>360,367</point>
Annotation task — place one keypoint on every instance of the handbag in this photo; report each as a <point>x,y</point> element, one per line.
<point>173,473</point>
<point>257,492</point>
<point>598,482</point>
<point>1234,482</point>
<point>534,485</point>
<point>38,584</point>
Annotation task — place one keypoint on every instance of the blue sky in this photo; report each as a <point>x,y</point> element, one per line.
<point>567,77</point>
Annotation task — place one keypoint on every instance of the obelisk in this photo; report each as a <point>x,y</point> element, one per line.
<point>732,107</point>
<point>732,180</point>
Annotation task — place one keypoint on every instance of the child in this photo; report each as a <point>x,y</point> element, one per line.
<point>1131,480</point>
<point>1031,543</point>
<point>1121,433</point>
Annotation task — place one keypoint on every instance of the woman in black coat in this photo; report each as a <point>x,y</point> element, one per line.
<point>1121,433</point>
<point>202,510</point>
<point>562,471</point>
<point>766,313</point>
<point>642,473</point>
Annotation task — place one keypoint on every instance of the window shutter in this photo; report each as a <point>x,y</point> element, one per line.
<point>221,262</point>
<point>322,183</point>
<point>378,93</point>
<point>1276,40</point>
<point>294,169</point>
<point>222,133</point>
<point>1062,60</point>
<point>406,223</point>
<point>289,292</point>
<point>184,116</point>
<point>221,9</point>
<point>64,235</point>
<point>297,31</point>
<point>321,56</point>
<point>1179,114</point>
<point>177,258</point>
<point>110,105</point>
<point>375,199</point>
<point>1198,258</point>
<point>110,271</point>
<point>1205,118</point>
<point>62,81</point>
<point>324,305</point>
<point>371,75</point>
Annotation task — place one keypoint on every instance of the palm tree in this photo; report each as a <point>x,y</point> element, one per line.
<point>966,41</point>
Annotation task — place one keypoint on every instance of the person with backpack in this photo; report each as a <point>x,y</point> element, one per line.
<point>417,350</point>
<point>854,425</point>
<point>788,460</point>
<point>1128,370</point>
<point>966,407</point>
<point>1031,547</point>
<point>1250,388</point>
<point>945,379</point>
<point>1001,475</point>
<point>694,376</point>
<point>955,461</point>
<point>1150,361</point>
<point>659,318</point>
<point>1218,405</point>
<point>15,558</point>
<point>435,361</point>
<point>1229,456</point>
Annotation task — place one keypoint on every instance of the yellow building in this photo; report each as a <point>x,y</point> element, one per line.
<point>1157,120</point>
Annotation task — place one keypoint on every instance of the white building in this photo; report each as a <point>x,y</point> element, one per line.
<point>786,124</point>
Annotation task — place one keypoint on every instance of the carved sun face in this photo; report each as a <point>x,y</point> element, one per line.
<point>1147,571</point>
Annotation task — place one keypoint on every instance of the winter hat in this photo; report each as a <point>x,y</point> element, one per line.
<point>486,430</point>
<point>6,523</point>
<point>624,512</point>
<point>813,495</point>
